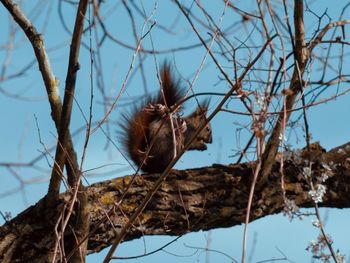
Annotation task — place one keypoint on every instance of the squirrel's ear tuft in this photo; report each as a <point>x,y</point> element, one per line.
<point>205,104</point>
<point>203,107</point>
<point>201,110</point>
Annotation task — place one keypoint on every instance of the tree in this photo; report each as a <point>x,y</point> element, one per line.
<point>268,65</point>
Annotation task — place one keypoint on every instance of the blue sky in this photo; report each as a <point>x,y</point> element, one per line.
<point>20,133</point>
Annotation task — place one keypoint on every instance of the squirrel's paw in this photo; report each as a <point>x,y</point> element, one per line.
<point>157,108</point>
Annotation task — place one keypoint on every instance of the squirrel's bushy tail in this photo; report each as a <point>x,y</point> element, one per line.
<point>170,87</point>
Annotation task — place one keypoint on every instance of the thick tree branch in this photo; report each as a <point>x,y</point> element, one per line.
<point>213,197</point>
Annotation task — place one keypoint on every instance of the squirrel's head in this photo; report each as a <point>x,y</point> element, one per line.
<point>194,121</point>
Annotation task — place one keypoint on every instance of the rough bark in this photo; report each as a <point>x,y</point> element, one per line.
<point>188,200</point>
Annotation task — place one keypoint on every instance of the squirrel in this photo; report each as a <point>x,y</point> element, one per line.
<point>148,133</point>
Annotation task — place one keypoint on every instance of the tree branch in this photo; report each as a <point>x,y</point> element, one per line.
<point>64,152</point>
<point>213,197</point>
<point>73,67</point>
<point>301,59</point>
<point>302,55</point>
<point>50,81</point>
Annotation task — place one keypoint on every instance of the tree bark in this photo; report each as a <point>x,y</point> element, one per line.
<point>188,200</point>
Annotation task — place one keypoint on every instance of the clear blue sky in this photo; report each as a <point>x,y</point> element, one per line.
<point>20,137</point>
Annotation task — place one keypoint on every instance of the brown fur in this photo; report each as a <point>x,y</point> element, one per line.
<point>148,136</point>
